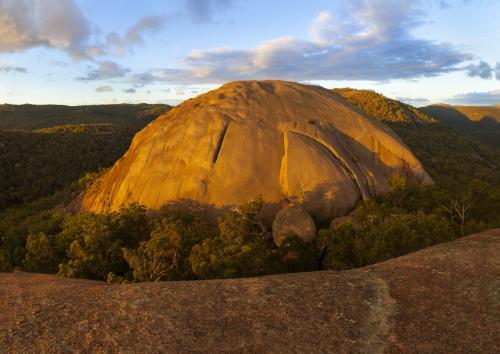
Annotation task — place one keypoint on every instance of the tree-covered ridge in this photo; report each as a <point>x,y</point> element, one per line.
<point>35,164</point>
<point>32,117</point>
<point>477,113</point>
<point>480,122</point>
<point>383,108</point>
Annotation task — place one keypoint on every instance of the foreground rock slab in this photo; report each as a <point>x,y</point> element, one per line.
<point>442,299</point>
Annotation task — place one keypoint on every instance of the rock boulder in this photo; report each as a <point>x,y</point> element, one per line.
<point>293,220</point>
<point>287,142</point>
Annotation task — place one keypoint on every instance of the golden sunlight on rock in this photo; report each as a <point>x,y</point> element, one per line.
<point>292,144</point>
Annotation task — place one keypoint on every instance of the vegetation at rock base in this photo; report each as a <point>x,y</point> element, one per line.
<point>127,245</point>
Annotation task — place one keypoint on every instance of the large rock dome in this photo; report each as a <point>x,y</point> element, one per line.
<point>287,142</point>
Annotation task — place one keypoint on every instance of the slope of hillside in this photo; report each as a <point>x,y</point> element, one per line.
<point>32,117</point>
<point>444,299</point>
<point>481,122</point>
<point>383,108</point>
<point>473,113</point>
<point>453,154</point>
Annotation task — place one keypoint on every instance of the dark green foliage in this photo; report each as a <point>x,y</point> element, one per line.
<point>32,117</point>
<point>380,232</point>
<point>5,262</point>
<point>36,164</point>
<point>165,256</point>
<point>238,250</point>
<point>96,242</point>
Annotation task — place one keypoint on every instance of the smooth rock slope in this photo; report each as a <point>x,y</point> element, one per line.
<point>289,143</point>
<point>444,299</point>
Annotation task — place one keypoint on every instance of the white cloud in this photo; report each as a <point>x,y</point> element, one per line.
<point>51,23</point>
<point>61,24</point>
<point>119,45</point>
<point>106,70</point>
<point>476,98</point>
<point>105,88</point>
<point>414,101</point>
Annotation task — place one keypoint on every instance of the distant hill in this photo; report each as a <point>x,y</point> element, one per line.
<point>443,299</point>
<point>384,108</point>
<point>482,122</point>
<point>473,113</point>
<point>32,117</point>
<point>453,154</point>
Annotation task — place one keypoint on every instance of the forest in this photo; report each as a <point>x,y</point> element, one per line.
<point>41,235</point>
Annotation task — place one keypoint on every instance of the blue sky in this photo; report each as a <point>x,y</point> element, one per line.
<point>95,51</point>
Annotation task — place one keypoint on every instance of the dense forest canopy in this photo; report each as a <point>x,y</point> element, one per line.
<point>178,244</point>
<point>40,152</point>
<point>33,117</point>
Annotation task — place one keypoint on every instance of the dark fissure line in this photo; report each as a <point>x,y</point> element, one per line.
<point>220,141</point>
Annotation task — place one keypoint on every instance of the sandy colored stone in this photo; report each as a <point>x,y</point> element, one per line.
<point>293,220</point>
<point>288,142</point>
<point>444,299</point>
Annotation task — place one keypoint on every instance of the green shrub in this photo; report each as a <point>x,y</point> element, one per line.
<point>5,262</point>
<point>165,256</point>
<point>239,249</point>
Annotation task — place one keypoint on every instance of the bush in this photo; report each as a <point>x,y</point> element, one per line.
<point>239,250</point>
<point>380,233</point>
<point>5,262</point>
<point>165,256</point>
<point>96,242</point>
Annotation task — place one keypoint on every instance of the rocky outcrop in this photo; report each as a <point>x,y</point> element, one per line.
<point>289,143</point>
<point>293,221</point>
<point>444,299</point>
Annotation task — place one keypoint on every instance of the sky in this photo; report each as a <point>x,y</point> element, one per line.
<point>165,51</point>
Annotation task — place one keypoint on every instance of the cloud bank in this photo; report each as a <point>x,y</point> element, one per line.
<point>484,70</point>
<point>50,23</point>
<point>203,10</point>
<point>372,40</point>
<point>60,24</point>
<point>13,69</point>
<point>105,70</point>
<point>488,98</point>
<point>105,88</point>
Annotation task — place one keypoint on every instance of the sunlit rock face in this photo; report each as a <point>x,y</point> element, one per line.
<point>287,142</point>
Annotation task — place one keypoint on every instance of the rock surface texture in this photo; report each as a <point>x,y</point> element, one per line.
<point>444,299</point>
<point>294,220</point>
<point>289,143</point>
